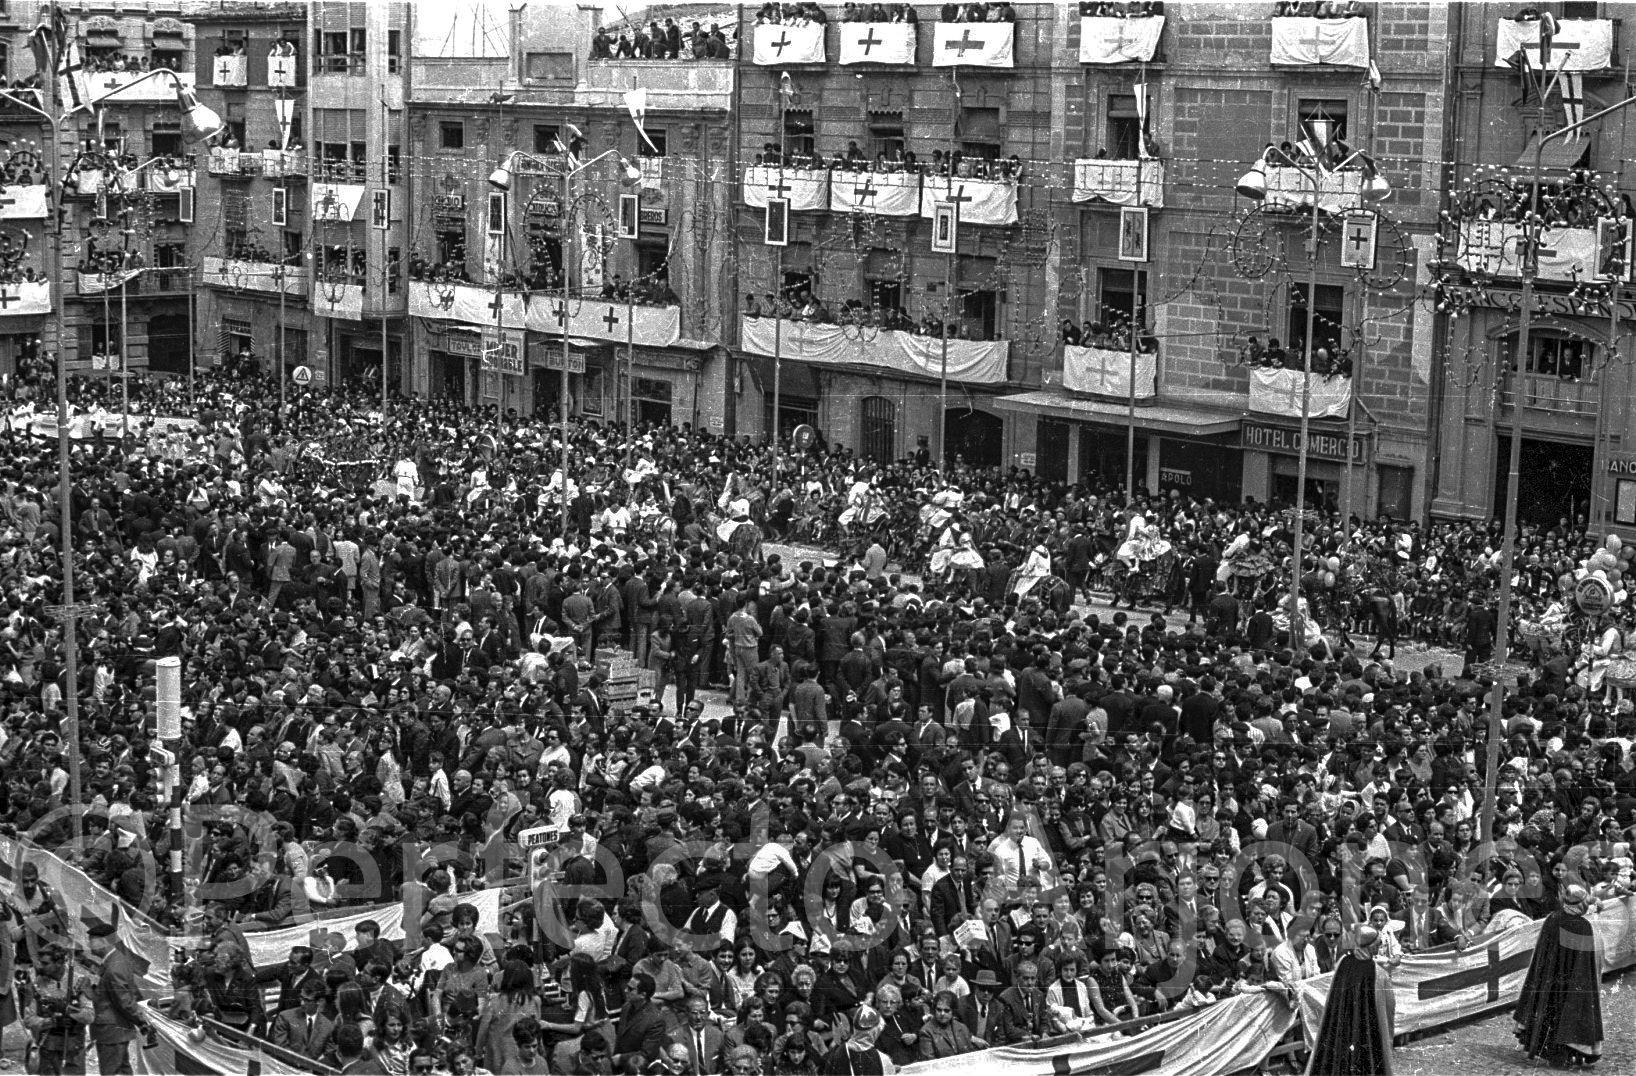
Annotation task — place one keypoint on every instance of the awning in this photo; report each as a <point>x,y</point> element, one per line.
<point>1161,417</point>
<point>796,380</point>
<point>1561,154</point>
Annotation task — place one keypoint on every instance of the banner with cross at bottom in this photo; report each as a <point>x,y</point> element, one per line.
<point>804,188</point>
<point>783,43</point>
<point>333,300</point>
<point>973,44</point>
<point>877,43</point>
<point>1303,42</point>
<point>587,319</point>
<point>282,66</point>
<point>1106,40</point>
<point>1494,248</point>
<point>886,194</point>
<point>123,87</point>
<point>978,201</point>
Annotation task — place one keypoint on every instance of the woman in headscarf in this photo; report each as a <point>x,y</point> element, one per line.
<point>1355,1035</point>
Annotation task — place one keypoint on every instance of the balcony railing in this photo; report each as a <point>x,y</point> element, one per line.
<point>1578,397</point>
<point>1120,182</point>
<point>1313,42</point>
<point>1577,44</point>
<point>232,162</point>
<point>1293,188</point>
<point>977,362</point>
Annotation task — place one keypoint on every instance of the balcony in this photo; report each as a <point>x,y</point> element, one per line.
<point>23,203</point>
<point>1312,42</point>
<point>102,283</point>
<point>1120,182</point>
<point>974,362</point>
<point>805,188</point>
<point>877,43</point>
<point>243,275</point>
<point>974,44</point>
<point>1579,45</point>
<point>1279,392</point>
<point>29,297</point>
<point>1291,188</point>
<point>1105,40</point>
<point>1568,396</point>
<point>283,164</point>
<point>230,72</point>
<point>783,45</point>
<point>1493,248</point>
<point>283,68</point>
<point>1099,371</point>
<point>168,181</point>
<point>977,201</point>
<point>885,194</point>
<point>232,163</point>
<point>135,88</point>
<point>687,85</point>
<point>589,319</point>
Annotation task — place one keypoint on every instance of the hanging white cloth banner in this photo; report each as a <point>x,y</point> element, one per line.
<point>1577,45</point>
<point>976,362</point>
<point>1107,40</point>
<point>23,203</point>
<point>25,298</point>
<point>1106,372</point>
<point>979,201</point>
<point>1278,392</point>
<point>805,188</point>
<point>973,44</point>
<point>230,70</point>
<point>877,43</point>
<point>284,108</point>
<point>590,319</point>
<point>887,194</point>
<point>336,201</point>
<point>1298,41</point>
<point>782,43</point>
<point>333,300</point>
<point>282,64</point>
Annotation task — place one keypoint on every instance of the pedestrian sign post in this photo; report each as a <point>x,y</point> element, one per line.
<point>302,375</point>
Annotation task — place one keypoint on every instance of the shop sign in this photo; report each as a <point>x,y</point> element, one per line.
<point>1026,460</point>
<point>1625,466</point>
<point>654,216</point>
<point>503,353</point>
<point>1264,437</point>
<point>1175,476</point>
<point>544,356</point>
<point>1545,302</point>
<point>467,345</point>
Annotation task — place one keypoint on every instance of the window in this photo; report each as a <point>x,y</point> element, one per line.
<point>169,255</point>
<point>336,164</point>
<point>394,164</point>
<point>660,144</point>
<point>977,304</point>
<point>545,138</point>
<point>980,133</point>
<point>885,295</point>
<point>886,137</point>
<point>1553,356</point>
<point>235,131</point>
<point>549,66</point>
<point>1124,128</point>
<point>165,143</point>
<point>1582,9</point>
<point>1326,319</point>
<point>394,267</point>
<point>171,58</point>
<point>451,245</point>
<point>1114,295</point>
<point>877,428</point>
<point>394,51</point>
<point>451,134</point>
<point>652,258</point>
<point>799,133</point>
<point>294,346</point>
<point>234,337</point>
<point>1396,491</point>
<point>236,240</point>
<point>360,41</point>
<point>332,51</point>
<point>294,243</point>
<point>1309,110</point>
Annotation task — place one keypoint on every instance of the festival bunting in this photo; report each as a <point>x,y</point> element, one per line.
<point>877,43</point>
<point>973,44</point>
<point>804,188</point>
<point>784,43</point>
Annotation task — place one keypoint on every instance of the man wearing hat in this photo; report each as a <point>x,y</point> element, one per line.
<point>1559,1012</point>
<point>1355,1037</point>
<point>117,1000</point>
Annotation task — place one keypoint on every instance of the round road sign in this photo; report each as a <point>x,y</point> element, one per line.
<point>804,437</point>
<point>301,375</point>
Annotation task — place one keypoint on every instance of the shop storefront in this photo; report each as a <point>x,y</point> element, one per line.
<point>1209,468</point>
<point>1272,461</point>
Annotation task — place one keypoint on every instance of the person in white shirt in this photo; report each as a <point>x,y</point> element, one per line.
<point>1018,856</point>
<point>1295,958</point>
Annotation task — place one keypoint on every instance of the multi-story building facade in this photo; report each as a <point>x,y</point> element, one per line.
<point>1568,395</point>
<point>1207,87</point>
<point>639,240</point>
<point>890,253</point>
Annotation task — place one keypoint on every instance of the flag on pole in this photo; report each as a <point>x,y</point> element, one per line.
<point>636,102</point>
<point>1141,120</point>
<point>1572,89</point>
<point>284,107</point>
<point>55,50</point>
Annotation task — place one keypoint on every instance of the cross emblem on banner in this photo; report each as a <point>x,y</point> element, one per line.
<point>1488,975</point>
<point>870,42</point>
<point>224,73</point>
<point>609,320</point>
<point>779,189</point>
<point>113,84</point>
<point>962,196</point>
<point>7,298</point>
<point>781,44</point>
<point>560,313</point>
<point>494,307</point>
<point>4,201</point>
<point>279,72</point>
<point>965,43</point>
<point>866,189</point>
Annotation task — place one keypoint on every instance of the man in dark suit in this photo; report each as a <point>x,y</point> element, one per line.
<point>349,1050</point>
<point>304,1029</point>
<point>1289,830</point>
<point>947,902</point>
<point>979,1009</point>
<point>639,1032</point>
<point>1023,1016</point>
<point>117,1000</point>
<point>702,1039</point>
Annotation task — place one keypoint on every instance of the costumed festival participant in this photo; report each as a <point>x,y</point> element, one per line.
<point>1559,1013</point>
<point>1355,1036</point>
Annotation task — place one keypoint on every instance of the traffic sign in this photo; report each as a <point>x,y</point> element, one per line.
<point>804,437</point>
<point>301,375</point>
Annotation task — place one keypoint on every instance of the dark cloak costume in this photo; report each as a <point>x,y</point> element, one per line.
<point>1355,1036</point>
<point>1560,1008</point>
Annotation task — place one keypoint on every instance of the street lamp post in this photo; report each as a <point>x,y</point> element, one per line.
<point>200,122</point>
<point>1531,224</point>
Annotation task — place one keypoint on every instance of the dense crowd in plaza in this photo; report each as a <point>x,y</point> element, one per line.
<point>948,806</point>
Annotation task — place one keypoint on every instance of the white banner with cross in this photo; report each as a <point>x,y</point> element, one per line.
<point>877,43</point>
<point>782,43</point>
<point>973,44</point>
<point>23,203</point>
<point>230,70</point>
<point>886,194</point>
<point>978,201</point>
<point>25,298</point>
<point>1107,40</point>
<point>1299,41</point>
<point>587,319</point>
<point>1577,45</point>
<point>1359,232</point>
<point>804,188</point>
<point>1494,248</point>
<point>1279,392</point>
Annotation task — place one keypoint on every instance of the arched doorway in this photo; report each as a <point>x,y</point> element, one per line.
<point>973,437</point>
<point>877,429</point>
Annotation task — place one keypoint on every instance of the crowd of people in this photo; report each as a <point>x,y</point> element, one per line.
<point>877,313</point>
<point>894,160</point>
<point>937,813</point>
<point>667,42</point>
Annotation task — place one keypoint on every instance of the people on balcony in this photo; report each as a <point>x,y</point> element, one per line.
<point>884,162</point>
<point>804,14</point>
<point>1111,335</point>
<point>977,13</point>
<point>902,13</point>
<point>1133,9</point>
<point>1329,9</point>
<point>802,305</point>
<point>103,61</point>
<point>651,290</point>
<point>668,42</point>
<point>1329,359</point>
